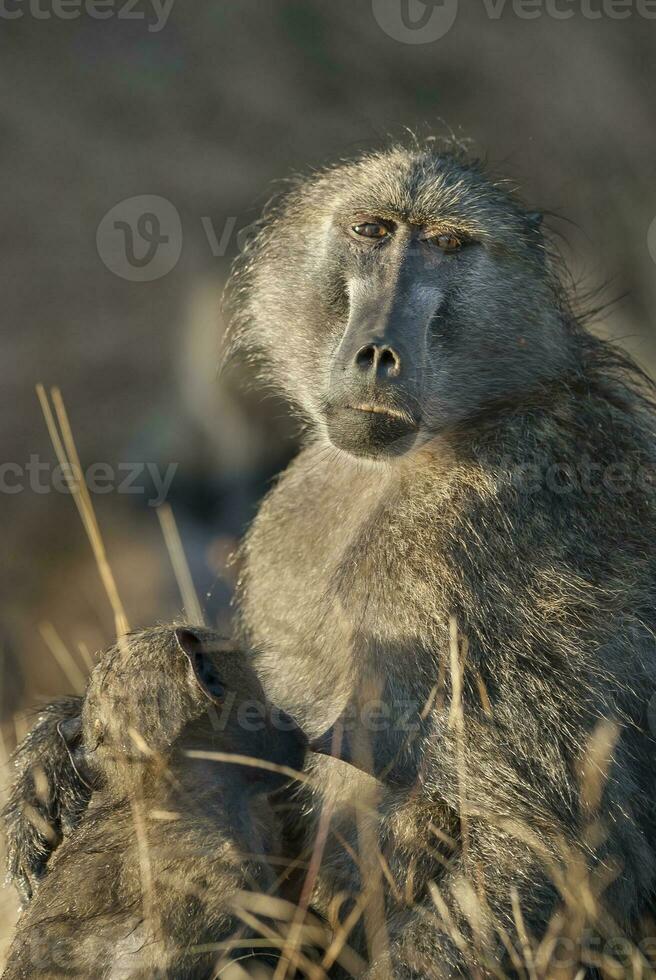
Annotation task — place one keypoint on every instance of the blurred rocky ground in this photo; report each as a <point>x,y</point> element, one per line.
<point>208,113</point>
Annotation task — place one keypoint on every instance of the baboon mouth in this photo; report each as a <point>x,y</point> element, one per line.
<point>373,430</point>
<point>394,413</point>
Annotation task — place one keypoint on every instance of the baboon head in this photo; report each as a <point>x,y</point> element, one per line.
<point>398,296</point>
<point>164,691</point>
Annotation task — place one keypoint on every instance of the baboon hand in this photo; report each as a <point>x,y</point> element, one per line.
<point>49,792</point>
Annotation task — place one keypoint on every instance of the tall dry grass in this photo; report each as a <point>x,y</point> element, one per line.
<point>308,947</point>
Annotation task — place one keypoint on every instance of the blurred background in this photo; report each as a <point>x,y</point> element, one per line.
<point>139,142</point>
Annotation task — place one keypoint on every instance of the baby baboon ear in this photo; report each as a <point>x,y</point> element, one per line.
<point>204,669</point>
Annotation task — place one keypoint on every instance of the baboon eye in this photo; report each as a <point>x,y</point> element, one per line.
<point>370,229</point>
<point>448,243</point>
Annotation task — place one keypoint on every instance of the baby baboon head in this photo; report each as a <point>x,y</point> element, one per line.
<point>163,691</point>
<point>399,295</point>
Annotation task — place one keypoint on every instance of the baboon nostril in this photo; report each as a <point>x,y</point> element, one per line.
<point>382,361</point>
<point>366,357</point>
<point>390,361</point>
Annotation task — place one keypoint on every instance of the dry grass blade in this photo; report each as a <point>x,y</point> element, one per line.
<point>63,657</point>
<point>180,565</point>
<point>458,654</point>
<point>145,870</point>
<point>338,950</point>
<point>233,971</point>
<point>247,760</point>
<point>33,816</point>
<point>375,921</point>
<point>294,935</point>
<point>527,949</point>
<point>86,656</point>
<point>66,452</point>
<point>299,959</point>
<point>596,763</point>
<point>21,726</point>
<point>456,709</point>
<point>446,920</point>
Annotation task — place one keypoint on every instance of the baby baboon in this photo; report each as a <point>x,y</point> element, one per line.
<point>143,886</point>
<point>474,513</point>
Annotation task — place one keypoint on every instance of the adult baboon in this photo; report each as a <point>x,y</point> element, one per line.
<point>472,514</point>
<point>144,885</point>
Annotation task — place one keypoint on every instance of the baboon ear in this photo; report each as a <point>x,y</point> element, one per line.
<point>205,672</point>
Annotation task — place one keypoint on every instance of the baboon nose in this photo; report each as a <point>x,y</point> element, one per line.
<point>379,361</point>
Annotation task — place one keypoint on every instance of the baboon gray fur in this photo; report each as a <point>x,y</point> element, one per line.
<point>468,533</point>
<point>167,841</point>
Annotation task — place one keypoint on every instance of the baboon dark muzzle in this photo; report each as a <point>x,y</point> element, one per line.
<point>376,375</point>
<point>361,430</point>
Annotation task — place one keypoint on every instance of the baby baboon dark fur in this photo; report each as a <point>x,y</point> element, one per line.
<point>469,529</point>
<point>46,797</point>
<point>167,840</point>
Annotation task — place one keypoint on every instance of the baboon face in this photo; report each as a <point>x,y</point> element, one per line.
<point>398,296</point>
<point>182,688</point>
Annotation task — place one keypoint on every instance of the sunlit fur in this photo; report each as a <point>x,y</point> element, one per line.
<point>353,569</point>
<point>153,868</point>
<point>536,791</point>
